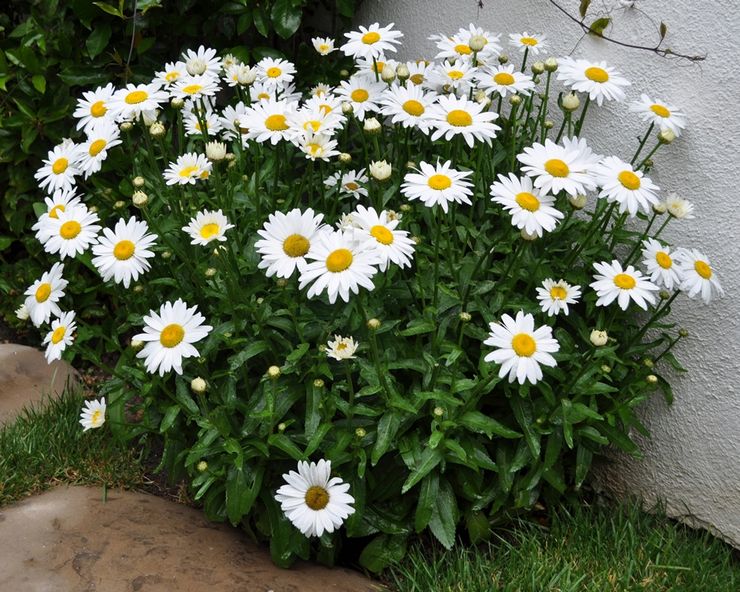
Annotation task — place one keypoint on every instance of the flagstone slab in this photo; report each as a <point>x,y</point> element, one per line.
<point>26,378</point>
<point>69,539</point>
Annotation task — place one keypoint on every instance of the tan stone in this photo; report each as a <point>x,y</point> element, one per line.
<point>26,378</point>
<point>69,540</point>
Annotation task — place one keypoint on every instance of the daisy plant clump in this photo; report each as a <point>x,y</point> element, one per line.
<point>416,301</point>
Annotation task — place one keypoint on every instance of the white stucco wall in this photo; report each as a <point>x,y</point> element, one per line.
<point>693,459</point>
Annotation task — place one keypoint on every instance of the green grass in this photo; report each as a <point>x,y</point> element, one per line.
<point>584,549</point>
<point>45,446</point>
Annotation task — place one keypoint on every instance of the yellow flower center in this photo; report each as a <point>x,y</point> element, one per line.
<point>351,186</point>
<point>323,48</point>
<point>97,147</point>
<point>313,148</point>
<point>597,74</point>
<point>60,165</point>
<point>527,201</point>
<point>530,41</point>
<point>455,74</point>
<point>341,346</point>
<point>503,78</point>
<point>339,260</point>
<point>703,269</point>
<point>523,345</point>
<point>439,182</point>
<point>191,89</point>
<point>124,250</point>
<point>463,49</point>
<point>360,95</point>
<point>58,335</point>
<point>136,97</point>
<point>209,230</point>
<point>276,123</point>
<point>558,293</point>
<point>379,67</point>
<point>98,109</point>
<point>325,108</point>
<point>188,171</point>
<point>296,245</point>
<point>317,498</point>
<point>43,292</point>
<point>96,419</point>
<point>629,180</point>
<point>70,229</point>
<point>273,72</point>
<point>660,111</point>
<point>171,76</point>
<point>417,79</point>
<point>171,335</point>
<point>459,118</point>
<point>413,107</point>
<point>263,96</point>
<point>313,125</point>
<point>664,260</point>
<point>53,211</point>
<point>557,168</point>
<point>624,281</point>
<point>382,234</point>
<point>371,37</point>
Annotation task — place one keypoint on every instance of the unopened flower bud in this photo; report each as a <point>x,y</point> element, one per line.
<point>318,383</point>
<point>210,272</point>
<point>273,372</point>
<point>138,289</point>
<point>538,68</point>
<point>166,254</point>
<point>344,73</point>
<point>196,66</point>
<point>666,136</point>
<point>347,108</point>
<point>402,72</point>
<point>651,379</point>
<point>683,332</point>
<point>230,156</point>
<point>281,283</point>
<point>599,338</point>
<point>465,317</point>
<point>387,74</point>
<point>380,170</point>
<point>372,126</point>
<point>570,102</point>
<point>139,199</point>
<point>126,126</point>
<point>405,208</point>
<point>215,151</point>
<point>119,204</point>
<point>439,412</point>
<point>93,209</point>
<point>260,300</point>
<point>416,239</point>
<point>605,368</point>
<point>345,158</point>
<point>660,208</point>
<point>373,324</point>
<point>202,466</point>
<point>551,64</point>
<point>156,130</point>
<point>578,202</point>
<point>664,294</point>
<point>477,42</point>
<point>503,58</point>
<point>648,164</point>
<point>515,100</point>
<point>177,103</point>
<point>22,313</point>
<point>139,182</point>
<point>549,124</point>
<point>527,236</point>
<point>198,385</point>
<point>246,76</point>
<point>648,363</point>
<point>480,96</point>
<point>282,426</point>
<point>360,432</point>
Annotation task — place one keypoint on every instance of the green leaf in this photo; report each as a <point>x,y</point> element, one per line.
<point>418,327</point>
<point>252,350</point>
<point>430,458</point>
<point>169,418</point>
<point>523,413</point>
<point>112,10</point>
<point>619,438</point>
<point>663,30</point>
<point>444,517</point>
<point>346,8</point>
<point>285,444</point>
<point>39,83</point>
<point>382,552</point>
<point>583,8</point>
<point>5,242</point>
<point>182,394</point>
<point>477,422</point>
<point>286,18</point>
<point>598,26</point>
<point>98,39</point>
<point>261,22</point>
<point>583,464</point>
<point>387,430</point>
<point>427,500</point>
<point>297,353</point>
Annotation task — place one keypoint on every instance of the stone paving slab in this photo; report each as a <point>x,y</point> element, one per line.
<point>26,378</point>
<point>69,540</point>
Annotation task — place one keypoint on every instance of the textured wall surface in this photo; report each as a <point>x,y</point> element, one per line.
<point>693,459</point>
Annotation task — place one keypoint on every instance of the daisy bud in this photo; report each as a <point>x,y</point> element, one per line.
<point>246,76</point>
<point>347,108</point>
<point>318,383</point>
<point>345,158</point>
<point>380,170</point>
<point>528,237</point>
<point>416,239</point>
<point>230,156</point>
<point>166,254</point>
<point>571,102</point>
<point>360,432</point>
<point>388,74</point>
<point>664,294</point>
<point>465,317</point>
<point>410,164</point>
<point>598,338</point>
<point>281,427</point>
<point>373,324</point>
<point>136,345</point>
<point>260,300</point>
<point>177,103</point>
<point>22,313</point>
<point>648,164</point>
<point>372,126</point>
<point>402,72</point>
<point>651,379</point>
<point>538,68</point>
<point>273,372</point>
<point>480,96</point>
<point>139,199</point>
<point>198,385</point>
<point>648,363</point>
<point>138,289</point>
<point>549,124</point>
<point>157,130</point>
<point>281,283</point>
<point>138,182</point>
<point>660,208</point>
<point>541,420</point>
<point>196,66</point>
<point>606,369</point>
<point>119,204</point>
<point>438,412</point>
<point>202,466</point>
<point>344,73</point>
<point>666,136</point>
<point>578,202</point>
<point>210,272</point>
<point>405,208</point>
<point>215,151</point>
<point>126,126</point>
<point>477,42</point>
<point>503,58</point>
<point>551,64</point>
<point>515,100</point>
<point>93,209</point>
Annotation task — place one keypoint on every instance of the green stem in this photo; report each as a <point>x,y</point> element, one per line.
<point>582,118</point>
<point>642,143</point>
<point>653,151</point>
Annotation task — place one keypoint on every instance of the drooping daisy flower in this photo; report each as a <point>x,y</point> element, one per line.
<point>560,168</point>
<point>380,231</point>
<point>342,348</point>
<point>440,184</point>
<point>207,226</point>
<point>698,276</point>
<point>172,73</point>
<point>122,253</point>
<point>286,239</point>
<point>371,42</point>
<point>92,108</point>
<point>201,61</point>
<point>448,76</point>
<point>613,283</point>
<point>93,414</point>
<point>92,153</point>
<point>71,232</point>
<point>59,169</point>
<point>452,116</point>
<point>596,79</point>
<point>352,182</point>
<point>520,348</point>
<point>620,183</point>
<point>230,121</point>
<point>660,265</point>
<point>531,210</point>
<point>679,208</point>
<point>504,80</point>
<point>135,100</point>
<point>555,296</point>
<point>42,296</point>
<point>195,87</point>
<point>323,45</point>
<point>317,146</point>
<point>275,73</point>
<point>363,93</point>
<point>337,265</point>
<point>524,41</point>
<point>60,336</point>
<point>187,169</point>
<point>314,501</point>
<point>169,336</point>
<point>665,116</point>
<point>194,127</point>
<point>268,120</point>
<point>408,105</point>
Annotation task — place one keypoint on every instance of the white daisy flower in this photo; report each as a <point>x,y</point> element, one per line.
<point>559,168</point>
<point>418,71</point>
<point>122,253</point>
<point>21,313</point>
<point>187,169</point>
<point>660,265</point>
<point>452,116</point>
<point>342,348</point>
<point>286,239</point>
<point>195,87</point>
<point>70,233</point>
<point>531,210</point>
<point>268,120</point>
<point>193,126</point>
<point>92,153</point>
<point>136,99</point>
<point>239,75</point>
<point>555,296</point>
<point>520,348</point>
<point>260,92</point>
<point>408,105</point>
<point>60,336</point>
<point>440,184</point>
<point>275,73</point>
<point>698,276</point>
<point>170,335</point>
<point>59,169</point>
<point>314,501</point>
<point>172,73</point>
<point>323,45</point>
<point>380,232</point>
<point>665,116</point>
<point>613,283</point>
<point>59,202</point>
<point>93,106</point>
<point>620,183</point>
<point>504,80</point>
<point>42,296</point>
<point>93,414</point>
<point>535,43</point>
<point>368,67</point>
<point>452,48</point>
<point>596,79</point>
<point>315,120</point>
<point>337,265</point>
<point>448,76</point>
<point>201,61</point>
<point>208,226</point>
<point>363,93</point>
<point>321,90</point>
<point>230,122</point>
<point>318,146</point>
<point>352,182</point>
<point>679,208</point>
<point>371,42</point>
<point>459,44</point>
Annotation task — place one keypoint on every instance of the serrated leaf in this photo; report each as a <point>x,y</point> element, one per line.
<point>427,499</point>
<point>444,517</point>
<point>430,458</point>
